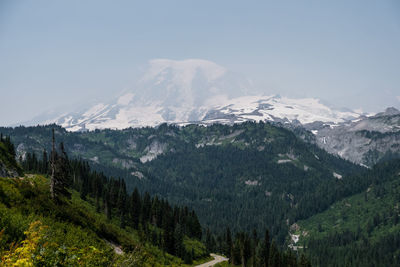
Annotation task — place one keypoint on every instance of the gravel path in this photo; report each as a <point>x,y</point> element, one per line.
<point>217,259</point>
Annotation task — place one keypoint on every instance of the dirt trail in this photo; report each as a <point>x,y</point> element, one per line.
<point>217,259</point>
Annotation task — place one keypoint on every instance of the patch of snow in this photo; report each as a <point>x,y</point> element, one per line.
<point>95,159</point>
<point>365,166</point>
<point>281,161</point>
<point>252,183</point>
<point>92,111</point>
<point>148,157</point>
<point>75,128</point>
<point>336,175</point>
<point>138,174</point>
<point>295,238</point>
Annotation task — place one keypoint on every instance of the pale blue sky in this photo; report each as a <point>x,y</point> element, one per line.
<point>56,53</point>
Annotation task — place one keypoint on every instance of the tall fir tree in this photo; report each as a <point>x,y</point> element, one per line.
<point>265,250</point>
<point>274,256</point>
<point>135,208</point>
<point>60,173</point>
<point>44,163</point>
<point>229,244</point>
<point>53,166</point>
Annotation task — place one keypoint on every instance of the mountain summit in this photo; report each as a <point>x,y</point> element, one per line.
<point>194,90</point>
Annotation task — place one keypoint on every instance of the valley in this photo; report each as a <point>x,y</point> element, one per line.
<point>199,133</point>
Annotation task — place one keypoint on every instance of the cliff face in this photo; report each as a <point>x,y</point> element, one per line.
<point>363,141</point>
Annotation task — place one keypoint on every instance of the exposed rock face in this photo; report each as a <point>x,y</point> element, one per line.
<point>153,150</point>
<point>364,141</point>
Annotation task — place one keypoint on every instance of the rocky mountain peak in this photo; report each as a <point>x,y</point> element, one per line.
<point>390,111</point>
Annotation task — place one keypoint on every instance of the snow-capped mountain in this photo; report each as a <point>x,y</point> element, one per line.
<point>276,108</point>
<point>199,91</point>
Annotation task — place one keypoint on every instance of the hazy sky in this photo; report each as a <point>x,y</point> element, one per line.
<point>56,53</point>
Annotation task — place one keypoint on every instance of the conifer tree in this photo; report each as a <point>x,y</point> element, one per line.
<point>53,166</point>
<point>135,208</point>
<point>45,165</point>
<point>304,262</point>
<point>274,256</point>
<point>209,241</point>
<point>178,239</point>
<point>245,248</point>
<point>254,245</point>
<point>121,203</point>
<point>107,204</point>
<point>146,207</point>
<point>265,250</point>
<point>168,234</point>
<point>62,175</point>
<point>228,251</point>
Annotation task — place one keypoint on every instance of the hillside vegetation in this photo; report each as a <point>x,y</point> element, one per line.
<point>360,230</point>
<point>240,180</point>
<point>249,175</point>
<point>93,221</point>
<point>36,230</point>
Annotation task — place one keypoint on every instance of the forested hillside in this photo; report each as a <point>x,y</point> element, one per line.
<point>360,230</point>
<point>92,220</point>
<point>249,175</point>
<point>239,180</point>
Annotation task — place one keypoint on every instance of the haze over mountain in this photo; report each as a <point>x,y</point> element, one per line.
<point>193,90</point>
<point>157,133</point>
<point>203,92</point>
<point>58,53</point>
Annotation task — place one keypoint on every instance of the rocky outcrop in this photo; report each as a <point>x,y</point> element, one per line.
<point>153,150</point>
<point>363,141</point>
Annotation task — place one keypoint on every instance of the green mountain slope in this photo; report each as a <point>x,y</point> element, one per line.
<point>360,230</point>
<point>102,225</point>
<point>251,175</point>
<point>37,230</point>
<point>72,233</point>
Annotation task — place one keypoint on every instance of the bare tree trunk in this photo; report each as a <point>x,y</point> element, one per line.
<point>52,178</point>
